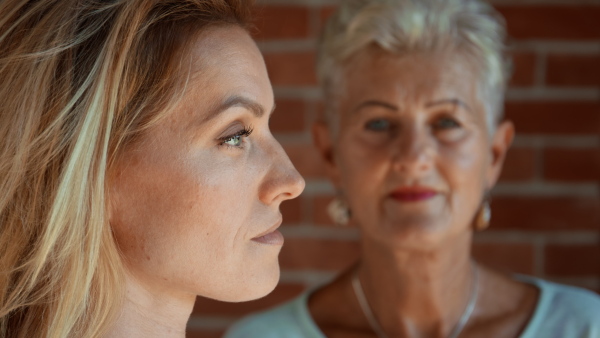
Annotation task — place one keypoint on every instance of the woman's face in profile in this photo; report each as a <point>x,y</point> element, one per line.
<point>412,153</point>
<point>195,202</point>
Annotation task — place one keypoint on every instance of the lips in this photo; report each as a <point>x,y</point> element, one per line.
<point>271,236</point>
<point>413,194</point>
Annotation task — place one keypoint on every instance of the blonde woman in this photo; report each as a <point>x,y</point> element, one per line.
<point>414,140</point>
<point>137,169</point>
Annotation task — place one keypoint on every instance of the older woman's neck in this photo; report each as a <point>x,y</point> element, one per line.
<point>418,290</point>
<point>149,311</point>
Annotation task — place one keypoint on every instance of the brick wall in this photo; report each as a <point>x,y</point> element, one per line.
<point>546,209</point>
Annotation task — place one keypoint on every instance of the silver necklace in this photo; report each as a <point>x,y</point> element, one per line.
<point>460,325</point>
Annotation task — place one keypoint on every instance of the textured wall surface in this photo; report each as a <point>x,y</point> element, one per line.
<point>546,209</point>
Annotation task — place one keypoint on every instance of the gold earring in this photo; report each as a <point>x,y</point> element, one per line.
<point>483,216</point>
<point>339,212</point>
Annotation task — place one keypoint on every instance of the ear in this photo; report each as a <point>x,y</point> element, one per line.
<point>323,140</point>
<point>501,141</point>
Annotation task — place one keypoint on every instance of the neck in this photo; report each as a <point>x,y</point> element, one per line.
<point>417,293</point>
<point>149,311</point>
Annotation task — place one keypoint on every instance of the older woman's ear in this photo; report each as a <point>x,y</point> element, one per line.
<point>501,142</point>
<point>322,139</point>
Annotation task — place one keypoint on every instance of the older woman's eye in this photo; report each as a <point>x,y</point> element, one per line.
<point>378,125</point>
<point>446,123</point>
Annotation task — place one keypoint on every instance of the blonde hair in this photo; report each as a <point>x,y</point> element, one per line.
<point>80,80</point>
<point>405,26</point>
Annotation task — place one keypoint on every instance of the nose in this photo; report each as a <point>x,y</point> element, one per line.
<point>412,154</point>
<point>282,181</point>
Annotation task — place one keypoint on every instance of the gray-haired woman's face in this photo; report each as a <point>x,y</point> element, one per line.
<point>412,153</point>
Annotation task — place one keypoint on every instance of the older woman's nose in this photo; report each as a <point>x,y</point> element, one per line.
<point>283,181</point>
<point>412,152</point>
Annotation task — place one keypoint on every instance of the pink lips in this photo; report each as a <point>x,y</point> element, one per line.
<point>272,236</point>
<point>413,194</point>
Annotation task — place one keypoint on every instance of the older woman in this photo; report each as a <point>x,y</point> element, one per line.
<point>137,168</point>
<point>414,141</point>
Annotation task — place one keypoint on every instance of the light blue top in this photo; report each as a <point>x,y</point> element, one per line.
<point>561,312</point>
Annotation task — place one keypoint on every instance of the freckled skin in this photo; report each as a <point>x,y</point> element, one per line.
<point>185,207</point>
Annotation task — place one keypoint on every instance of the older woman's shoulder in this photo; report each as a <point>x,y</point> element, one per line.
<point>291,320</point>
<point>563,311</point>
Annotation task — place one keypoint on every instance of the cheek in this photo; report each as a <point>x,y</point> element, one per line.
<point>463,167</point>
<point>170,209</point>
<point>151,210</point>
<point>364,169</point>
<point>358,159</point>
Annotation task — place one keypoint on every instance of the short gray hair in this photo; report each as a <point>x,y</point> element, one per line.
<point>404,26</point>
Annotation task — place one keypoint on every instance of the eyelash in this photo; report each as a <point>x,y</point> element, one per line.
<point>242,134</point>
<point>439,122</point>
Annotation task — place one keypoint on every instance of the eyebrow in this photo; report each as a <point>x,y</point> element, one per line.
<point>375,103</point>
<point>237,101</point>
<point>390,106</point>
<point>456,102</point>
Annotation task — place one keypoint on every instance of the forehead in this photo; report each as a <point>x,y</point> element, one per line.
<point>410,78</point>
<point>224,60</point>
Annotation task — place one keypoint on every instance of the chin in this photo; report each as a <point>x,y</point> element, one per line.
<point>420,234</point>
<point>251,285</point>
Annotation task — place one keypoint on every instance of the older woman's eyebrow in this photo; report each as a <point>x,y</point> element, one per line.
<point>456,102</point>
<point>237,101</point>
<point>375,103</point>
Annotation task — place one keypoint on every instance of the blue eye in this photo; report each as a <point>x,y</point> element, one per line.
<point>378,125</point>
<point>234,141</point>
<point>446,123</point>
<point>237,139</point>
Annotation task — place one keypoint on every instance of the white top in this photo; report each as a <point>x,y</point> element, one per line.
<point>561,312</point>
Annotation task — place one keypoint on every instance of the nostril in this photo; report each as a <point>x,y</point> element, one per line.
<point>282,183</point>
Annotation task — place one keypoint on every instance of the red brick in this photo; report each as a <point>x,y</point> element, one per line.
<point>572,260</point>
<point>519,165</point>
<point>291,68</point>
<point>282,293</point>
<point>325,13</point>
<point>524,69</point>
<point>546,213</point>
<point>552,22</point>
<point>508,258</point>
<point>572,164</point>
<point>318,254</point>
<point>319,111</point>
<point>307,160</point>
<point>292,211</point>
<point>281,22</point>
<point>555,117</point>
<point>289,116</point>
<point>204,334</point>
<point>573,70</point>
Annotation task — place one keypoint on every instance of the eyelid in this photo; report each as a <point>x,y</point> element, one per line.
<point>369,122</point>
<point>437,123</point>
<point>245,132</point>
